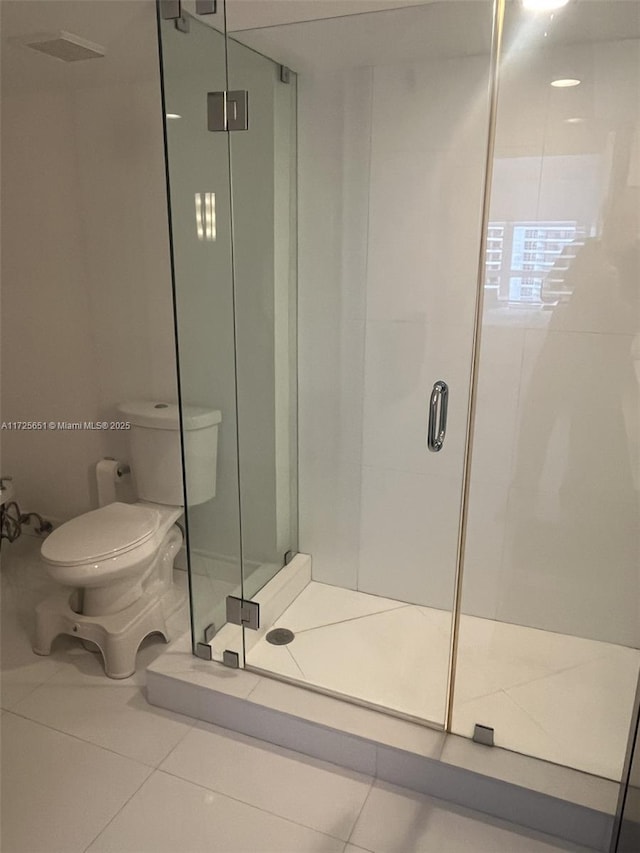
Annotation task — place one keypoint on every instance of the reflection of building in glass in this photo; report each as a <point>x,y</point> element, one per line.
<point>526,262</point>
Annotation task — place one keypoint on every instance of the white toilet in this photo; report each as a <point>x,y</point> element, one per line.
<point>116,562</point>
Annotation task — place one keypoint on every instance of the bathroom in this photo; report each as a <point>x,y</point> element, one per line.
<point>290,277</point>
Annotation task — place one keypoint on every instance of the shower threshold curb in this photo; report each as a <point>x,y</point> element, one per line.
<point>529,792</point>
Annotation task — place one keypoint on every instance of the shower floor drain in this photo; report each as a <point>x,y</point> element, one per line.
<point>280,636</point>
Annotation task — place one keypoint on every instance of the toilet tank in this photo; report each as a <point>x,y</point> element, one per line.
<point>154,445</point>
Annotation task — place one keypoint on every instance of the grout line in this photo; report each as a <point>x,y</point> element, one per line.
<point>564,669</point>
<point>558,745</point>
<point>141,764</point>
<point>359,815</point>
<point>22,698</point>
<point>113,817</point>
<point>298,667</point>
<point>534,721</point>
<point>550,736</point>
<point>253,805</point>
<point>78,738</point>
<point>259,680</point>
<point>352,618</point>
<point>178,743</point>
<point>101,746</point>
<point>446,632</point>
<point>368,849</point>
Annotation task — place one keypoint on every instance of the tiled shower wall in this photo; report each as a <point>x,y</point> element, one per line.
<point>390,213</point>
<point>386,290</point>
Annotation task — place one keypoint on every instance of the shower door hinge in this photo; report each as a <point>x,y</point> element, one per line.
<point>170,9</point>
<point>203,650</point>
<point>206,7</point>
<point>231,659</point>
<point>483,734</point>
<point>243,612</point>
<point>228,110</point>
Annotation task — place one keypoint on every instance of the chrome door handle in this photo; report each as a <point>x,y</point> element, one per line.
<point>438,404</point>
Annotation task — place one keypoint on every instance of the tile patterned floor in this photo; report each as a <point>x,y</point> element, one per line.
<point>88,765</point>
<point>531,686</point>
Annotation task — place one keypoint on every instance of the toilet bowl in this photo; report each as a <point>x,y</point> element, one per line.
<point>114,564</point>
<point>112,554</point>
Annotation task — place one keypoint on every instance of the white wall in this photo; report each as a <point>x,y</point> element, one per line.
<point>48,355</point>
<point>86,288</point>
<point>334,145</point>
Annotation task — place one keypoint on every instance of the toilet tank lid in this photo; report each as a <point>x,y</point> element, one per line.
<point>157,414</point>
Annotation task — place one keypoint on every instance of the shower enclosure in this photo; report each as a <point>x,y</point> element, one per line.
<point>406,270</point>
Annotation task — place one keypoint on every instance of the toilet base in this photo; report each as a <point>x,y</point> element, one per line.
<point>117,635</point>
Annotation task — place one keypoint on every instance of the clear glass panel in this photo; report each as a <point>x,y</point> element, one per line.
<point>264,252</point>
<point>194,63</point>
<point>392,135</point>
<point>550,624</point>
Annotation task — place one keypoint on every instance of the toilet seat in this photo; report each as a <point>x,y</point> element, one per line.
<point>101,534</point>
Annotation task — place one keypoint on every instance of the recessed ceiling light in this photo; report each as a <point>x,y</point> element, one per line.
<point>574,120</point>
<point>173,115</point>
<point>565,83</point>
<point>543,5</point>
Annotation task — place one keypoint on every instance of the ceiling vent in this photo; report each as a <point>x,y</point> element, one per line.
<point>62,45</point>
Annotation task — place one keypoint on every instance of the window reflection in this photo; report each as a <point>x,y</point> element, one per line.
<point>526,261</point>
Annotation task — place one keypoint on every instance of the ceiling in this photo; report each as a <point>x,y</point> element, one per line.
<point>395,35</point>
<point>342,33</point>
<point>255,14</point>
<point>438,29</point>
<point>118,25</point>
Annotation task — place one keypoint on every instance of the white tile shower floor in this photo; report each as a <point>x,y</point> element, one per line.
<point>561,698</point>
<point>88,765</point>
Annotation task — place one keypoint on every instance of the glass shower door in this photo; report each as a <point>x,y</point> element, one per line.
<point>550,626</point>
<point>193,55</point>
<point>392,130</point>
